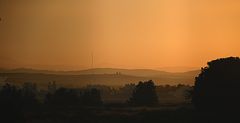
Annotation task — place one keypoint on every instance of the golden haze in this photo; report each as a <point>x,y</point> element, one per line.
<point>62,34</point>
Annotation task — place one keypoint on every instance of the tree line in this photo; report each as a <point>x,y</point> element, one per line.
<point>215,93</point>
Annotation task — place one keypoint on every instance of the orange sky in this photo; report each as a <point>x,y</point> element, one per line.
<point>156,34</point>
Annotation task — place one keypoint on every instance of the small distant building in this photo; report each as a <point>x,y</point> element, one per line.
<point>118,73</point>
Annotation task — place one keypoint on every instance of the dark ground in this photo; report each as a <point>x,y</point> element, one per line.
<point>113,114</point>
<point>123,114</point>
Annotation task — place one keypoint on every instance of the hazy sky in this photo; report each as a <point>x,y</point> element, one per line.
<point>62,34</point>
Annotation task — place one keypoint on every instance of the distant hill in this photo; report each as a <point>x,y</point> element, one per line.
<point>133,72</point>
<point>106,76</point>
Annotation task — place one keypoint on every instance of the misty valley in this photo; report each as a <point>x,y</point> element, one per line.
<point>99,92</point>
<point>91,103</point>
<point>119,61</point>
<point>130,96</point>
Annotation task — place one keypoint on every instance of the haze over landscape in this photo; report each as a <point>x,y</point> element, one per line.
<point>102,76</point>
<point>167,35</point>
<point>119,61</point>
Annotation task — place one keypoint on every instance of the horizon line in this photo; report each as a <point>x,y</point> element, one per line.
<point>162,69</point>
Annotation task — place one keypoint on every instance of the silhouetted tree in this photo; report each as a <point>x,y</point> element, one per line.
<point>189,93</point>
<point>52,87</point>
<point>217,88</point>
<point>92,97</point>
<point>127,90</point>
<point>70,97</point>
<point>29,95</point>
<point>63,96</point>
<point>11,104</point>
<point>144,94</point>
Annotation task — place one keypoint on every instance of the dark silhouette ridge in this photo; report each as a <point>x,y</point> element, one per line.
<point>74,97</point>
<point>29,104</point>
<point>217,88</point>
<point>215,97</point>
<point>144,94</point>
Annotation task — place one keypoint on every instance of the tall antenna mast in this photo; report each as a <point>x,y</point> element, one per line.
<point>92,65</point>
<point>92,60</point>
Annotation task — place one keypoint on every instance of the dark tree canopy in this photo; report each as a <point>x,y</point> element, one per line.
<point>65,96</point>
<point>217,87</point>
<point>11,104</point>
<point>144,94</point>
<point>92,97</point>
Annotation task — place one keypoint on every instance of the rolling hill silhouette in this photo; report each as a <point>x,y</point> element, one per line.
<point>106,76</point>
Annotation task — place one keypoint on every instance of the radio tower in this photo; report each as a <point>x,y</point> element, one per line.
<point>92,64</point>
<point>92,60</point>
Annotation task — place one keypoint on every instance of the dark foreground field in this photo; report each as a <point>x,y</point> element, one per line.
<point>113,114</point>
<point>122,114</point>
